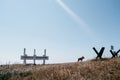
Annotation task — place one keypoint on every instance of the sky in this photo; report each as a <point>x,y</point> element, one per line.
<point>67,29</point>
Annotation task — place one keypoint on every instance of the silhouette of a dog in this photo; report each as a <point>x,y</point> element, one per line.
<point>81,58</point>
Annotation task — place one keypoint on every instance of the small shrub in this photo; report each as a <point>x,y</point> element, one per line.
<point>5,76</point>
<point>24,74</point>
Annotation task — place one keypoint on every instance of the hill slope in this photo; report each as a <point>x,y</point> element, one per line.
<point>89,70</point>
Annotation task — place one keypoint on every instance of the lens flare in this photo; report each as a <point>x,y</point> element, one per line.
<point>78,20</point>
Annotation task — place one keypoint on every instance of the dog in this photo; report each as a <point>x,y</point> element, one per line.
<point>81,58</point>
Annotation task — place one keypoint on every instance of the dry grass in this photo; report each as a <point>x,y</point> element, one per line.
<point>108,69</point>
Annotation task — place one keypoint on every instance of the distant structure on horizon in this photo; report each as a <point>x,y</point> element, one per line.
<point>25,57</point>
<point>112,51</point>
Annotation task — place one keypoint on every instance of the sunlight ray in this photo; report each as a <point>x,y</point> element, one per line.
<point>77,19</point>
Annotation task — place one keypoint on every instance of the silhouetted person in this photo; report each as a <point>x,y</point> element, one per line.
<point>81,58</point>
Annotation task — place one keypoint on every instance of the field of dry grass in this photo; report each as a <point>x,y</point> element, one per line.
<point>107,69</point>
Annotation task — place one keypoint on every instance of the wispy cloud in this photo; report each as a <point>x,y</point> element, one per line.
<point>77,19</point>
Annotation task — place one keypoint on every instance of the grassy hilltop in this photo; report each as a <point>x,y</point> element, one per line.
<point>108,69</point>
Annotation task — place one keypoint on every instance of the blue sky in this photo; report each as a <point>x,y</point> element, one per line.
<point>68,29</point>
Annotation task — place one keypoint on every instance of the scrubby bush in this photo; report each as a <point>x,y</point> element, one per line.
<point>5,76</point>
